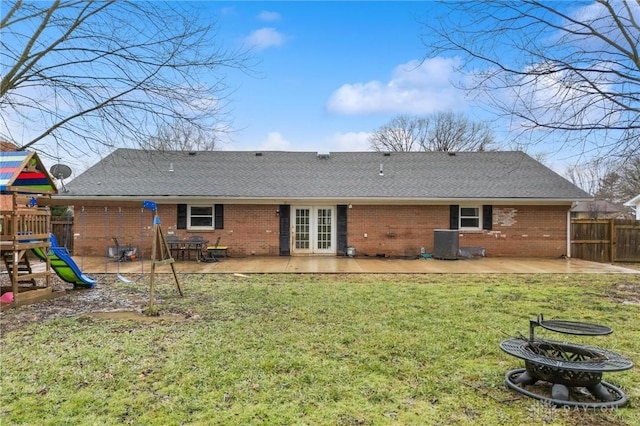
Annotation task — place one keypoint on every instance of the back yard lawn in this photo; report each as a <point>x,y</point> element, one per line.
<point>307,350</point>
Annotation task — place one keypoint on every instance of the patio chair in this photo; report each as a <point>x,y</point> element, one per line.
<point>122,253</point>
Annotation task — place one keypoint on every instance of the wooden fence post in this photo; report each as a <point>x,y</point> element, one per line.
<point>612,245</point>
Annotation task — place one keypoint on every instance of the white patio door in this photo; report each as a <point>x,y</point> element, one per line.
<point>313,230</point>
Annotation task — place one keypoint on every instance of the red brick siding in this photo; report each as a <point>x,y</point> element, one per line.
<point>95,226</point>
<point>535,231</point>
<point>394,230</point>
<point>248,229</point>
<point>529,231</point>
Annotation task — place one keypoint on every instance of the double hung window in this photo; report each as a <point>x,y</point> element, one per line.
<point>200,217</point>
<point>470,218</point>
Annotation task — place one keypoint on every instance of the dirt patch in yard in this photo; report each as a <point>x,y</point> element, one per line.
<point>626,293</point>
<point>108,300</point>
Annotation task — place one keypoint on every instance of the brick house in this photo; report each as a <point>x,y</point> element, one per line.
<point>303,203</point>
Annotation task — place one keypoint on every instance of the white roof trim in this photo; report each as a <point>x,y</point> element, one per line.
<point>307,200</point>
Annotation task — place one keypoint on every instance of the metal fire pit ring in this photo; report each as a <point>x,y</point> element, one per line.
<point>566,365</point>
<point>619,398</point>
<point>584,357</point>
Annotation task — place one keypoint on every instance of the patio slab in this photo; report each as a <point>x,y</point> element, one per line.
<point>356,265</point>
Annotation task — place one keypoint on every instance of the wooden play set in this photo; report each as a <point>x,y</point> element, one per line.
<point>25,227</point>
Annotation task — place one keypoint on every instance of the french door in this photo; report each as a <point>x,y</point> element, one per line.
<point>313,230</point>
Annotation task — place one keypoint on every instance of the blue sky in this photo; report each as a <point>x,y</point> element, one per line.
<point>330,73</point>
<point>324,75</point>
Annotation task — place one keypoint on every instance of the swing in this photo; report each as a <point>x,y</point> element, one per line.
<point>123,252</point>
<point>128,252</point>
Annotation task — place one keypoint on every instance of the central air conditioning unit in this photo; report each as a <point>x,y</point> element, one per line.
<point>446,243</point>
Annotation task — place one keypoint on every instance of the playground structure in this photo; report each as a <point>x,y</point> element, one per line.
<point>24,226</point>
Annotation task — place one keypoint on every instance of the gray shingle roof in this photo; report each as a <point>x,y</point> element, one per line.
<point>306,175</point>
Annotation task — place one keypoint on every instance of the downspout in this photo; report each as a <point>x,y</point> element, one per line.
<point>569,229</point>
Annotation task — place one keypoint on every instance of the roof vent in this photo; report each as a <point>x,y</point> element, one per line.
<point>451,154</point>
<point>192,153</point>
<point>258,154</point>
<point>387,154</point>
<point>323,155</point>
<point>170,167</point>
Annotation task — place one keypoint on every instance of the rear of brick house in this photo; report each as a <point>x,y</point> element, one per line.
<point>303,203</point>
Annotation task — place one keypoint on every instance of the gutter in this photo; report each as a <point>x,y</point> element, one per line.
<point>164,199</point>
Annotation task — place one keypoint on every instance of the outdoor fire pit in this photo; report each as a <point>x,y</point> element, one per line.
<point>568,368</point>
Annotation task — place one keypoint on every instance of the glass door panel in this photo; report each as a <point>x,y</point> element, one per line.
<point>324,231</point>
<point>302,240</point>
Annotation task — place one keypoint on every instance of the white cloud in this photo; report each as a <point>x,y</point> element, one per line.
<point>337,142</point>
<point>264,38</point>
<point>414,88</point>
<point>275,142</point>
<point>348,142</point>
<point>267,16</point>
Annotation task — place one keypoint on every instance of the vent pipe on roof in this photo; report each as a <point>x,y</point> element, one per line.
<point>171,167</point>
<point>381,169</point>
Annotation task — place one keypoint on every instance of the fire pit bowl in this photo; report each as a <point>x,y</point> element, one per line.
<point>564,352</point>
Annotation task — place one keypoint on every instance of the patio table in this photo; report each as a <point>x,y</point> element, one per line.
<point>187,245</point>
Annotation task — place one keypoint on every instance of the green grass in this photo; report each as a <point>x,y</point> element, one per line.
<point>315,350</point>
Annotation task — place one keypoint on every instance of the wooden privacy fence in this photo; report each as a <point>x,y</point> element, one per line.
<point>605,240</point>
<point>62,228</point>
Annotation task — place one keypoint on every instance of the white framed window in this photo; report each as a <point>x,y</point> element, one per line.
<point>470,218</point>
<point>200,217</point>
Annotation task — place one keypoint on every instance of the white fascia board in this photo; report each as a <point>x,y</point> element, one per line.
<point>317,201</point>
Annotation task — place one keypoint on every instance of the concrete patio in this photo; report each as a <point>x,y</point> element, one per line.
<point>357,265</point>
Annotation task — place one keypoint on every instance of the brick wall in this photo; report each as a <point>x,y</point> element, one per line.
<point>525,231</point>
<point>536,231</point>
<point>394,230</point>
<point>248,229</point>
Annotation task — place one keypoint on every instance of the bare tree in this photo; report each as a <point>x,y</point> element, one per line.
<point>402,134</point>
<point>454,132</point>
<point>91,75</point>
<point>563,68</point>
<point>444,131</point>
<point>182,137</point>
<point>621,183</point>
<point>615,181</point>
<point>589,175</point>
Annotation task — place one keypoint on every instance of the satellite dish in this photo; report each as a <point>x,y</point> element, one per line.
<point>60,171</point>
